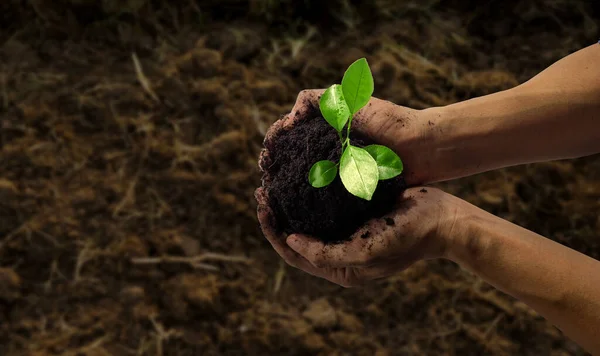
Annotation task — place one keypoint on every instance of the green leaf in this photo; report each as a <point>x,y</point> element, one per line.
<point>357,85</point>
<point>389,164</point>
<point>358,171</point>
<point>334,108</point>
<point>322,174</point>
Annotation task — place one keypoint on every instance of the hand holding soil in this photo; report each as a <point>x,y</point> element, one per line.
<point>332,212</point>
<point>292,146</point>
<point>418,228</point>
<point>552,116</point>
<point>403,129</point>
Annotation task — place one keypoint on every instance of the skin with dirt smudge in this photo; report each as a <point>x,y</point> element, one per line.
<point>394,241</point>
<point>381,121</point>
<point>560,283</point>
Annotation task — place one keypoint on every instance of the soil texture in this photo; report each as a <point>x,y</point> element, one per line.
<point>331,213</point>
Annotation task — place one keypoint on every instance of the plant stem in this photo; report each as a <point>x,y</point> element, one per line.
<point>347,142</point>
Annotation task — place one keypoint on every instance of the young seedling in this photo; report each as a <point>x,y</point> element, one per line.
<point>360,168</point>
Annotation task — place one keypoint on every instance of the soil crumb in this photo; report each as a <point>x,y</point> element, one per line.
<point>423,190</point>
<point>390,222</point>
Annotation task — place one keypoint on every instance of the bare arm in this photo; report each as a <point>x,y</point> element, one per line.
<point>561,284</point>
<point>555,115</point>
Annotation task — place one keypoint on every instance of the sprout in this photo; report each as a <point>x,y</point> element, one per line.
<point>360,168</point>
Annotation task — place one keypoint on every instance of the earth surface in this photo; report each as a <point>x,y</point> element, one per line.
<point>129,133</point>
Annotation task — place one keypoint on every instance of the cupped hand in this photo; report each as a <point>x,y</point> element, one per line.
<point>404,130</point>
<point>420,227</point>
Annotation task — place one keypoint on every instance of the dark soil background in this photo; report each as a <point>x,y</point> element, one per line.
<point>129,133</point>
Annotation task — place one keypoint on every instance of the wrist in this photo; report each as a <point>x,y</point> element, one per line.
<point>428,141</point>
<point>474,240</point>
<point>387,123</point>
<point>406,131</point>
<point>453,228</point>
<point>470,137</point>
<point>450,134</point>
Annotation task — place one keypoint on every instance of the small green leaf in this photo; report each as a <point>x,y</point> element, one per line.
<point>357,85</point>
<point>358,171</point>
<point>322,174</point>
<point>389,164</point>
<point>334,108</point>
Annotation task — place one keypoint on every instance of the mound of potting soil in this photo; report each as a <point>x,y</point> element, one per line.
<point>331,213</point>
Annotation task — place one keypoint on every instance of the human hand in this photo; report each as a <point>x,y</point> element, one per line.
<point>404,130</point>
<point>421,227</point>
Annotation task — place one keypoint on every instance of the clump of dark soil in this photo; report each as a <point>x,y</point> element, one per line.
<point>331,213</point>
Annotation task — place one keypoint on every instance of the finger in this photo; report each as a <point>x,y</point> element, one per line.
<point>380,237</point>
<point>374,272</point>
<point>272,131</point>
<point>306,98</point>
<point>260,195</point>
<point>419,192</point>
<point>265,218</point>
<point>399,233</point>
<point>354,277</point>
<point>266,221</point>
<point>277,241</point>
<point>346,254</point>
<point>307,103</point>
<point>264,160</point>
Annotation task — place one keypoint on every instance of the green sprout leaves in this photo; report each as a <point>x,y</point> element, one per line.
<point>357,85</point>
<point>360,169</point>
<point>389,164</point>
<point>334,108</point>
<point>322,174</point>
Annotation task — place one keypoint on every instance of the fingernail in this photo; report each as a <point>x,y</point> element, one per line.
<point>292,241</point>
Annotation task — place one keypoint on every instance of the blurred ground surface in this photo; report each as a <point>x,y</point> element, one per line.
<point>130,129</point>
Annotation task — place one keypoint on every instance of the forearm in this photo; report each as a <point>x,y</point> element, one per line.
<point>559,283</point>
<point>555,115</point>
